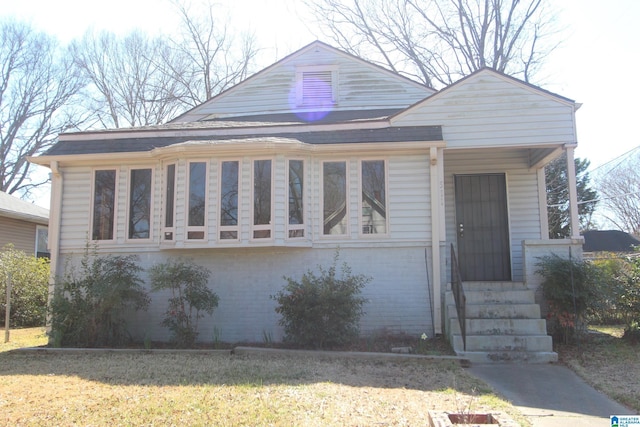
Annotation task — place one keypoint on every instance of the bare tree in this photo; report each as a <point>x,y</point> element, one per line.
<point>618,184</point>
<point>38,86</point>
<point>138,80</point>
<point>440,41</point>
<point>127,87</point>
<point>216,58</point>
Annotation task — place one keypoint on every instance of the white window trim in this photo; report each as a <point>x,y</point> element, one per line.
<point>305,183</point>
<point>151,203</point>
<point>233,228</point>
<point>115,204</point>
<point>262,227</point>
<point>386,189</point>
<point>347,232</point>
<point>163,210</point>
<point>196,228</point>
<point>301,70</point>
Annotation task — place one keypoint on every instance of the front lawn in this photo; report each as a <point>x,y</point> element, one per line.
<point>216,389</point>
<point>607,362</point>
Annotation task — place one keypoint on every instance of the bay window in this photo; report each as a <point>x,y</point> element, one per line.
<point>296,201</point>
<point>197,201</point>
<point>170,201</point>
<point>104,199</point>
<point>262,188</point>
<point>229,179</point>
<point>334,198</point>
<point>373,215</point>
<point>139,204</point>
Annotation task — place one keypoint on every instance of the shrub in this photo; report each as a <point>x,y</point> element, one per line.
<point>89,306</point>
<point>627,303</point>
<point>571,288</point>
<point>622,298</point>
<point>190,297</point>
<point>29,287</point>
<point>322,311</point>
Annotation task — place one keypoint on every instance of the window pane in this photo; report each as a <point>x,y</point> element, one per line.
<point>170,196</point>
<point>374,204</point>
<point>140,204</point>
<point>262,192</point>
<point>335,197</point>
<point>42,238</point>
<point>296,186</point>
<point>229,194</point>
<point>197,188</point>
<point>104,193</point>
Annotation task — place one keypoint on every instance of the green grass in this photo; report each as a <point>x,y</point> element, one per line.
<point>19,338</point>
<point>607,362</point>
<point>173,388</point>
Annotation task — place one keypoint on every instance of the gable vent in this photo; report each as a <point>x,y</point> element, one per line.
<point>316,86</point>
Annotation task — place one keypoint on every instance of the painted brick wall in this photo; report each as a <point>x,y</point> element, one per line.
<point>244,279</point>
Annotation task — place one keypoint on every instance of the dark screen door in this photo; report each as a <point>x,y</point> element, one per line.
<point>482,227</point>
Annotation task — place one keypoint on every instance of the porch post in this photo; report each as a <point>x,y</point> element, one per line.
<point>435,156</point>
<point>573,193</point>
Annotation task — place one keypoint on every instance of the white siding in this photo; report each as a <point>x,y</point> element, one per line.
<point>361,85</point>
<point>489,110</point>
<point>75,229</point>
<point>522,194</point>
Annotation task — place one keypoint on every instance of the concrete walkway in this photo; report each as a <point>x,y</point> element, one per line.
<point>550,395</point>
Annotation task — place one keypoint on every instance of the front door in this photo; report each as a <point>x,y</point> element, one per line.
<point>482,227</point>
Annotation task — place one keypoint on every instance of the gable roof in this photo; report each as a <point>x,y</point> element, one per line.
<point>609,241</point>
<point>476,74</point>
<point>314,46</point>
<point>12,207</point>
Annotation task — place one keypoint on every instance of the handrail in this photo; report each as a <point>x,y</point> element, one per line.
<point>459,296</point>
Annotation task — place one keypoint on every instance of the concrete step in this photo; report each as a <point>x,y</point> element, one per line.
<point>501,327</point>
<point>491,286</point>
<point>503,324</point>
<point>498,311</point>
<point>504,343</point>
<point>480,357</point>
<point>522,296</point>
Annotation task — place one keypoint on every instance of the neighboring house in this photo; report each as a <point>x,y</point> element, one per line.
<point>24,225</point>
<point>323,150</point>
<point>615,241</point>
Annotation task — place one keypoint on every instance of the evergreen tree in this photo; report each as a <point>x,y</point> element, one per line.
<point>558,196</point>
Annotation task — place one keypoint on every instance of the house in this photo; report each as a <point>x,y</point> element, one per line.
<point>323,150</point>
<point>24,225</point>
<point>609,241</point>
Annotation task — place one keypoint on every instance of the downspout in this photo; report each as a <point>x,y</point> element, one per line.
<point>55,221</point>
<point>436,220</point>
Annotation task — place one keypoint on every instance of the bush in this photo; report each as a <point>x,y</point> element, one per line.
<point>89,307</point>
<point>29,287</point>
<point>190,297</point>
<point>572,290</point>
<point>322,311</point>
<point>622,298</point>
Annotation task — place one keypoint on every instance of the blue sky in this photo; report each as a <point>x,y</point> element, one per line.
<point>596,65</point>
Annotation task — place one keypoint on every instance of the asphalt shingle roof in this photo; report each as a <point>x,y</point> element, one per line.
<point>137,144</point>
